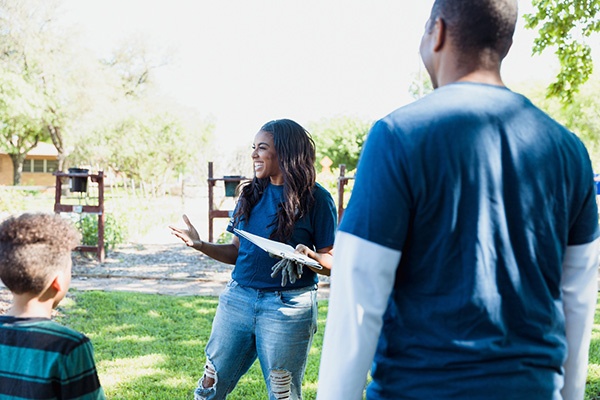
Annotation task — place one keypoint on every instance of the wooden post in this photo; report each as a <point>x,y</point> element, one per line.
<point>212,212</point>
<point>211,185</point>
<point>341,183</point>
<point>101,217</point>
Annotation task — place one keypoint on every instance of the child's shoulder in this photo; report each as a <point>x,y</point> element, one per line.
<point>44,329</point>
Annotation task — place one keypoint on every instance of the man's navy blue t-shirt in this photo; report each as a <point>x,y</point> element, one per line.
<point>481,192</point>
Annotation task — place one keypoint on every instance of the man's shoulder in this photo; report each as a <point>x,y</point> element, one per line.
<point>456,97</point>
<point>415,116</point>
<point>460,104</point>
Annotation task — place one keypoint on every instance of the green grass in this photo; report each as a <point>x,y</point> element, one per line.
<point>592,391</point>
<point>152,346</point>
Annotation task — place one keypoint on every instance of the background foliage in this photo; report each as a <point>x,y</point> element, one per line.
<point>340,139</point>
<point>129,216</point>
<point>109,113</point>
<point>115,231</point>
<point>566,27</point>
<point>106,114</point>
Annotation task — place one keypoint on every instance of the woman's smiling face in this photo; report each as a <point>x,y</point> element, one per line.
<point>264,156</point>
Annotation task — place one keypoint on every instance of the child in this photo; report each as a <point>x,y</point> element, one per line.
<point>40,358</point>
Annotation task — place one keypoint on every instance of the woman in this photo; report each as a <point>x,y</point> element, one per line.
<point>261,315</point>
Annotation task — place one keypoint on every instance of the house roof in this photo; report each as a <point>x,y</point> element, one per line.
<point>42,149</point>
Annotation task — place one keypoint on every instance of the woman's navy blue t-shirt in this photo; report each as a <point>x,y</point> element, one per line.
<point>315,230</point>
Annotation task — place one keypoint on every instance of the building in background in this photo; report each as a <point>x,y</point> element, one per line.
<point>38,167</point>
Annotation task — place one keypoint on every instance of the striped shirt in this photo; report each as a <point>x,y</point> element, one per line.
<point>41,359</point>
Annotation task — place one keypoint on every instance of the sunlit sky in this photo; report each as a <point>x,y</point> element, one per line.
<point>244,62</point>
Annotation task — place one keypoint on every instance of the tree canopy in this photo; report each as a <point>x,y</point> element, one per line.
<point>105,114</point>
<point>566,26</point>
<point>341,139</point>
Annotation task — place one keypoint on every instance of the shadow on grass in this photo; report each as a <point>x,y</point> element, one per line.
<point>152,346</point>
<point>149,346</point>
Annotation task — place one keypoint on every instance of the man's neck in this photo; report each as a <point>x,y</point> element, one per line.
<point>454,67</point>
<point>475,76</point>
<point>487,77</point>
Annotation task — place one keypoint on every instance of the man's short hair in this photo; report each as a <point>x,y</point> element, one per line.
<point>477,25</point>
<point>33,247</point>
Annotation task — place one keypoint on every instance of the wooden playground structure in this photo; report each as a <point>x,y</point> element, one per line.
<point>78,179</point>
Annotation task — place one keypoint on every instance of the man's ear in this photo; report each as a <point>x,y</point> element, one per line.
<point>439,34</point>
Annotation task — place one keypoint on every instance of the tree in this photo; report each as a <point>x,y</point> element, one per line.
<point>34,46</point>
<point>341,139</point>
<point>566,25</point>
<point>420,86</point>
<point>71,89</point>
<point>144,141</point>
<point>134,61</point>
<point>21,128</point>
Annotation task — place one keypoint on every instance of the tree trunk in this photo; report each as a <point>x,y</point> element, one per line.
<point>61,161</point>
<point>17,161</point>
<point>19,158</point>
<point>57,140</point>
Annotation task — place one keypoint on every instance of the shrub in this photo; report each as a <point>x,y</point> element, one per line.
<point>15,200</point>
<point>114,231</point>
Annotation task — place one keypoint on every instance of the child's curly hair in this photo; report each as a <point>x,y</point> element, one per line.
<point>33,247</point>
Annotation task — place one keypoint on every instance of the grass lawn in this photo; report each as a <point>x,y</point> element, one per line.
<point>152,346</point>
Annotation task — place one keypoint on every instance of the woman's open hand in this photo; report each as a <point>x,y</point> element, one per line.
<point>189,236</point>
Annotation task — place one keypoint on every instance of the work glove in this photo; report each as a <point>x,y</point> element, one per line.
<point>290,271</point>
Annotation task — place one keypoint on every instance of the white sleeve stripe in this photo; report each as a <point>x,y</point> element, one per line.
<point>362,279</point>
<point>579,288</point>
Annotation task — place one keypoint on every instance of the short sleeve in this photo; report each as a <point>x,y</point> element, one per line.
<point>379,209</point>
<point>231,223</point>
<point>324,219</point>
<point>584,227</point>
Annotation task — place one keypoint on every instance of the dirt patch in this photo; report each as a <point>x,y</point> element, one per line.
<point>168,269</point>
<point>156,261</point>
<point>5,298</point>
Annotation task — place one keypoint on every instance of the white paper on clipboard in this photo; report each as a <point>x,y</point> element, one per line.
<point>278,249</point>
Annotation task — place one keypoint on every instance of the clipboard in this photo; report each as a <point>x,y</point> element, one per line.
<point>278,249</point>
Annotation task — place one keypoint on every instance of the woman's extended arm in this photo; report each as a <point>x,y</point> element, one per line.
<point>226,253</point>
<point>323,256</point>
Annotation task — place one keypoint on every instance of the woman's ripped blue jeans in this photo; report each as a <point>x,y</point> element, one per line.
<point>275,327</point>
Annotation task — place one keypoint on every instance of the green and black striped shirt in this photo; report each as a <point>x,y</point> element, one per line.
<point>41,359</point>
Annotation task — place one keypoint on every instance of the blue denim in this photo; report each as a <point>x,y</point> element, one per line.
<point>276,327</point>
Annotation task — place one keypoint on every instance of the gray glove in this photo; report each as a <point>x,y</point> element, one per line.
<point>290,270</point>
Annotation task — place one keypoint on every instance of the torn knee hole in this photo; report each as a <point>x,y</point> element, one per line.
<point>210,375</point>
<point>281,383</point>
